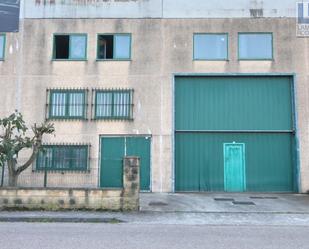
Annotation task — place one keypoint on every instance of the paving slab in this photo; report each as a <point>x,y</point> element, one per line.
<point>225,202</point>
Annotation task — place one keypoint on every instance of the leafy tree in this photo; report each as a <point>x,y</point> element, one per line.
<point>13,140</point>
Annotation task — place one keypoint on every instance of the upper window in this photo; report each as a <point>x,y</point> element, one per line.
<point>67,104</point>
<point>70,47</point>
<point>63,157</point>
<point>113,104</point>
<point>2,46</point>
<point>114,47</point>
<point>210,46</point>
<point>255,46</point>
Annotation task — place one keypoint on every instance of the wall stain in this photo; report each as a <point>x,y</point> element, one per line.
<point>78,2</point>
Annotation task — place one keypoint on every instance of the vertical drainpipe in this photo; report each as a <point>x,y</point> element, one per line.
<point>18,67</point>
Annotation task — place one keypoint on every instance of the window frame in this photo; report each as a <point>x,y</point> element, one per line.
<point>112,117</point>
<point>67,146</point>
<point>256,33</point>
<point>114,47</point>
<point>70,59</point>
<point>227,46</point>
<point>66,116</point>
<point>4,46</point>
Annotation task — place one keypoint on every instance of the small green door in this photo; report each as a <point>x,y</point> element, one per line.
<point>234,167</point>
<point>140,146</point>
<point>113,149</point>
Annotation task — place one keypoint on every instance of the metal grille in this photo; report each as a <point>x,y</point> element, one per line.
<point>113,104</point>
<point>67,104</point>
<point>63,157</point>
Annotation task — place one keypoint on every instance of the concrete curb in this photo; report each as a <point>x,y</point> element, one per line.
<point>60,220</point>
<point>153,217</point>
<point>225,212</point>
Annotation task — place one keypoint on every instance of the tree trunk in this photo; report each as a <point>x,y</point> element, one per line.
<point>13,177</point>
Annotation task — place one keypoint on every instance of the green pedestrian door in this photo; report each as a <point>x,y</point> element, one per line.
<point>113,149</point>
<point>234,167</point>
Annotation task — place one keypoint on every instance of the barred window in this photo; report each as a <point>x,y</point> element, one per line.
<point>113,104</point>
<point>67,104</point>
<point>63,157</point>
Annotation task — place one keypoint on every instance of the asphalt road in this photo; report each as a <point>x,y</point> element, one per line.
<point>129,236</point>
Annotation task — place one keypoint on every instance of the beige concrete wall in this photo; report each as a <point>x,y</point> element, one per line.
<point>160,48</point>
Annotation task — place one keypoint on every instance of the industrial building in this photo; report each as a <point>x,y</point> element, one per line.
<point>212,96</point>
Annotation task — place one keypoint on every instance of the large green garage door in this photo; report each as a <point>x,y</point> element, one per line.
<point>113,149</point>
<point>234,134</point>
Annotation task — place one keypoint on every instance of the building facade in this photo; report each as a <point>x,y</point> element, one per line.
<point>212,96</point>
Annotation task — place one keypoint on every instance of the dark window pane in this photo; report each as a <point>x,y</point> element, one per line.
<point>79,157</point>
<point>105,47</point>
<point>44,158</point>
<point>62,46</point>
<point>63,157</point>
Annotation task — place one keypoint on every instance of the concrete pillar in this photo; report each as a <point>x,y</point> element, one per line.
<point>131,183</point>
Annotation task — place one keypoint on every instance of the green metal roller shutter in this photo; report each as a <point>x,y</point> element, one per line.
<point>254,111</point>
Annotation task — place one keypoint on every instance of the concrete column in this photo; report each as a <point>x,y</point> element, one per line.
<point>131,183</point>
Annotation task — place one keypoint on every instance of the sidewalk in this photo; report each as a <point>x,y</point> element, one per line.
<point>225,203</point>
<point>190,209</point>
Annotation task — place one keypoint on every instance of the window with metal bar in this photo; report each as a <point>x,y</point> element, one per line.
<point>70,47</point>
<point>2,46</point>
<point>67,104</point>
<point>113,104</point>
<point>63,157</point>
<point>114,47</point>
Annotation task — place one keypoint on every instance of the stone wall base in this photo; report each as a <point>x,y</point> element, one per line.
<point>70,199</point>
